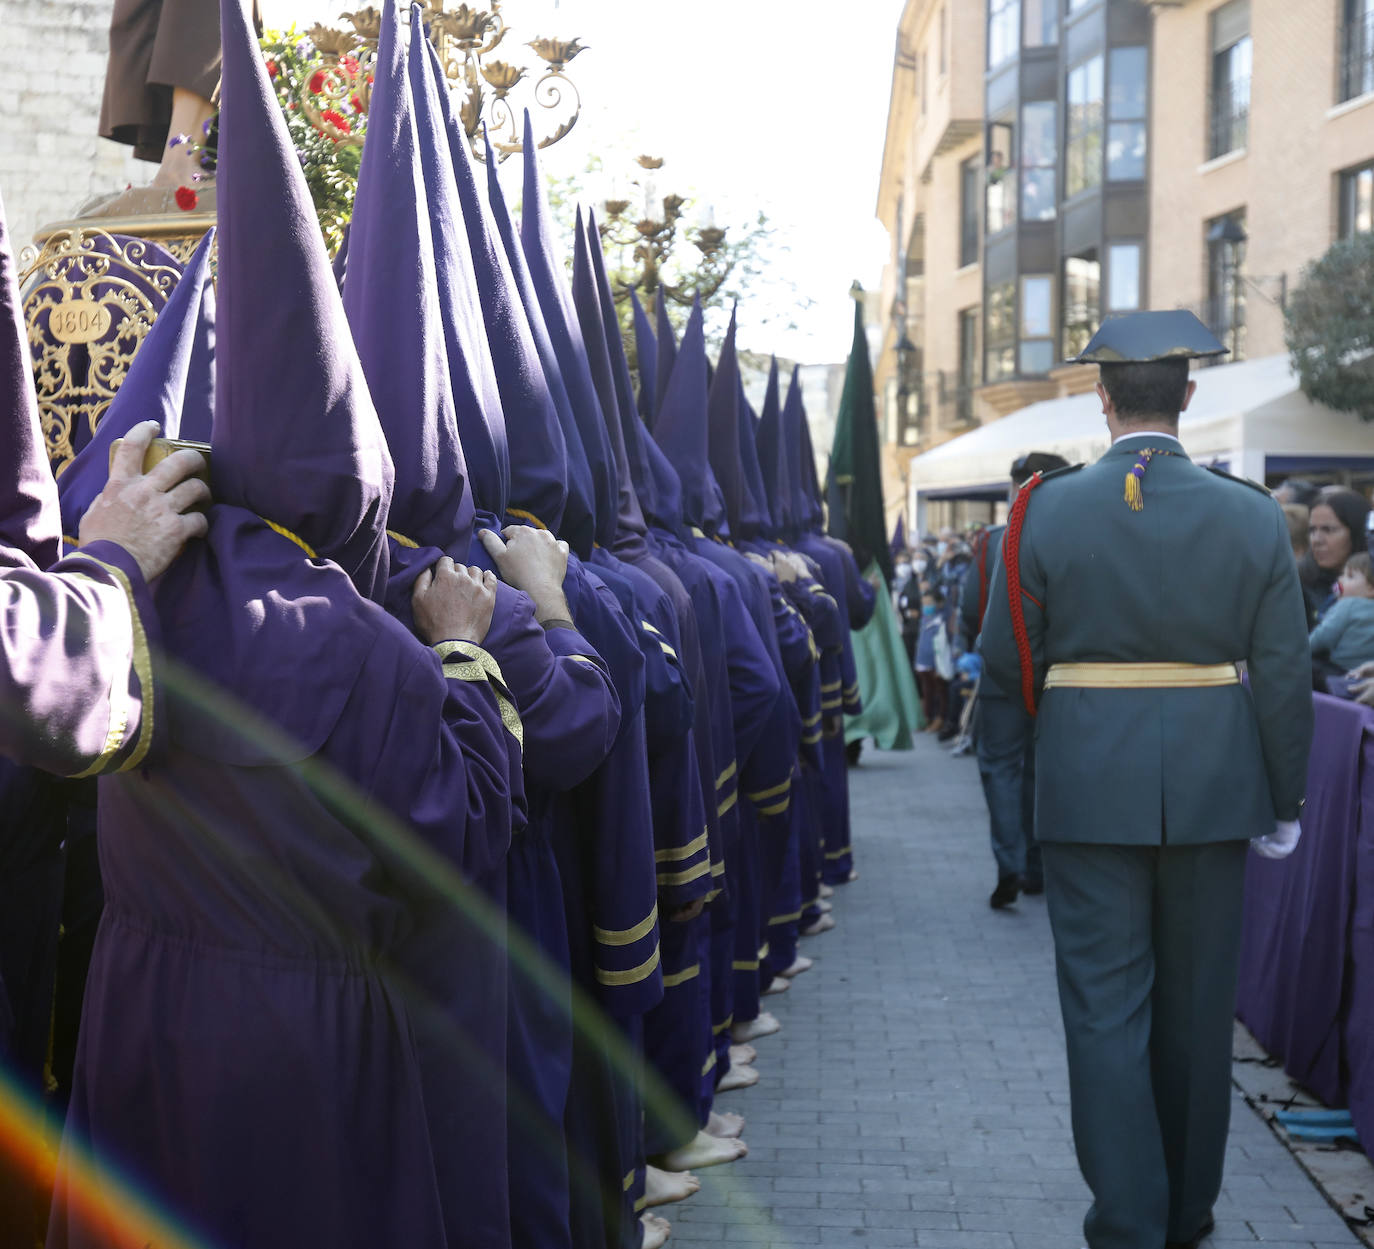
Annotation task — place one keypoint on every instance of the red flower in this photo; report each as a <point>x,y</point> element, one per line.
<point>317,82</point>
<point>271,68</point>
<point>350,63</point>
<point>186,198</point>
<point>337,120</point>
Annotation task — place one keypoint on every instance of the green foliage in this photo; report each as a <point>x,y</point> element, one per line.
<point>1329,328</point>
<point>305,80</point>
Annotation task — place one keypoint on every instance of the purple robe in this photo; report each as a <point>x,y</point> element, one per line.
<point>274,880</point>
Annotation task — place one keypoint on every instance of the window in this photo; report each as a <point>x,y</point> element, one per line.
<point>1357,201</point>
<point>1231,64</point>
<point>1004,31</point>
<point>1042,23</point>
<point>970,183</point>
<point>999,333</point>
<point>1226,280</point>
<point>1123,277</point>
<point>968,348</point>
<point>944,41</point>
<point>1126,111</point>
<point>1001,177</point>
<point>1082,300</point>
<point>1083,152</point>
<point>1039,157</point>
<point>1357,49</point>
<point>1037,325</point>
<point>925,80</point>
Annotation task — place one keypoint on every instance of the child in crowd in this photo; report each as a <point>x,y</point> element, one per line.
<point>1345,637</point>
<point>932,687</point>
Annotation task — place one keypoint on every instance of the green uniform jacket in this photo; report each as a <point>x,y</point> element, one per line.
<point>1204,574</point>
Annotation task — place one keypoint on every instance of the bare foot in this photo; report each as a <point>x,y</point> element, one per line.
<point>751,1029</point>
<point>656,1231</point>
<point>704,1150</point>
<point>799,964</point>
<point>662,1187</point>
<point>725,1125</point>
<point>824,924</point>
<point>742,1055</point>
<point>737,1078</point>
<point>826,891</point>
<point>776,985</point>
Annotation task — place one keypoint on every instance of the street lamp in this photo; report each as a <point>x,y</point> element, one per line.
<point>1230,233</point>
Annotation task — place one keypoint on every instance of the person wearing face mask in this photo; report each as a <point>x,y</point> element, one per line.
<point>1336,531</point>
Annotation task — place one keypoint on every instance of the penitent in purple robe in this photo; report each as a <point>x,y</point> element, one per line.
<point>248,1053</point>
<point>559,685</point>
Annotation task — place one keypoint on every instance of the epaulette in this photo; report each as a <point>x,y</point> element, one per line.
<point>1059,472</point>
<point>1243,481</point>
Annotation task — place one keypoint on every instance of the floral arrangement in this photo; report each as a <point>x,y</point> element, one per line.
<point>323,97</point>
<point>332,88</point>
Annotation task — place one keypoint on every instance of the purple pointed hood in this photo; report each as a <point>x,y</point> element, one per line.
<point>472,377</point>
<point>549,277</point>
<point>392,301</point>
<point>610,372</point>
<point>667,349</point>
<point>772,450</point>
<point>534,439</point>
<point>754,517</point>
<point>29,518</point>
<point>296,437</point>
<point>154,389</point>
<point>646,355</point>
<point>681,430</point>
<point>723,419</point>
<point>807,513</point>
<point>198,403</point>
<point>579,512</point>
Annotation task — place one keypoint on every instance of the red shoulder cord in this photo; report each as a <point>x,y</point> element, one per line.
<point>1012,559</point>
<point>983,586</point>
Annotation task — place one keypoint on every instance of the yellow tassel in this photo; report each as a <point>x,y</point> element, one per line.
<point>1134,500</point>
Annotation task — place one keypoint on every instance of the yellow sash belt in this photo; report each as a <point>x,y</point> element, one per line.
<point>1142,676</point>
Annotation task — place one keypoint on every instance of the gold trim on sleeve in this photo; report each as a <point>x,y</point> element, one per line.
<point>761,794</point>
<point>627,936</point>
<point>726,775</point>
<point>728,803</point>
<point>633,976</point>
<point>676,853</point>
<point>668,879</point>
<point>676,978</point>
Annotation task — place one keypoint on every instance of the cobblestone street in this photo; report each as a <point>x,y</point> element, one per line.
<point>917,1094</point>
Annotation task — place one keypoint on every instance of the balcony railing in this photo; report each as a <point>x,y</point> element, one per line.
<point>1357,56</point>
<point>1230,128</point>
<point>913,414</point>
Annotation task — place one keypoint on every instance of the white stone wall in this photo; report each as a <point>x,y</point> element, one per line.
<point>51,160</point>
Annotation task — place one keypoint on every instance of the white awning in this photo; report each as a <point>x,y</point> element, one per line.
<point>1243,416</point>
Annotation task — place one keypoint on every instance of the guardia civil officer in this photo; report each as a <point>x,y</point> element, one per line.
<point>1128,592</point>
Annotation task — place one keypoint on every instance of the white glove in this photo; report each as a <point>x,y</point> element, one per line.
<point>1281,842</point>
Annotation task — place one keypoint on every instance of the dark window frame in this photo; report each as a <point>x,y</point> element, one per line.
<point>970,200</point>
<point>1347,190</point>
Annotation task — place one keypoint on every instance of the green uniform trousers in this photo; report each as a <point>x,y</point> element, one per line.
<point>1147,940</point>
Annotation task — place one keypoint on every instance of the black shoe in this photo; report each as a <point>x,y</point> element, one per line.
<point>1192,1242</point>
<point>852,751</point>
<point>1005,893</point>
<point>1032,888</point>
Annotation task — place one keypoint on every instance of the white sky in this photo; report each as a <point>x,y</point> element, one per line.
<point>772,105</point>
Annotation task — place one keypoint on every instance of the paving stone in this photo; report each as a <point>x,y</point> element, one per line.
<point>918,1095</point>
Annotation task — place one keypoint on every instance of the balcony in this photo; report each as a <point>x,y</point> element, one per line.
<point>1357,57</point>
<point>954,396</point>
<point>1230,119</point>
